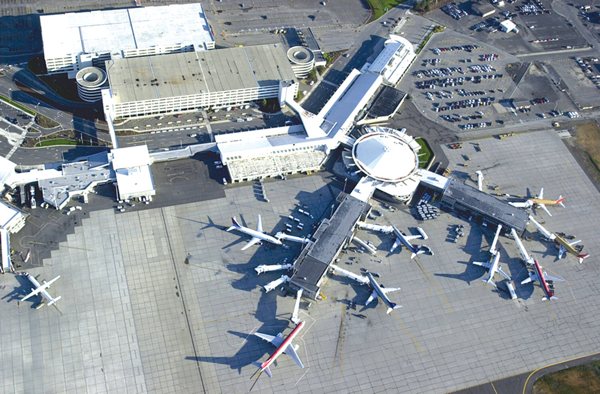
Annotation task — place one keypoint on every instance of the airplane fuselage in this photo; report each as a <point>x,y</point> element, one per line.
<point>404,241</point>
<point>258,234</point>
<point>495,261</point>
<point>379,292</point>
<point>282,347</point>
<point>542,279</point>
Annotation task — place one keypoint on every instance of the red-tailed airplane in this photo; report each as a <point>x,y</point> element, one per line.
<point>539,201</point>
<point>546,281</point>
<point>564,246</point>
<point>284,345</point>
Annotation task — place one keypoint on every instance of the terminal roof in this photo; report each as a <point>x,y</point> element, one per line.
<point>329,239</point>
<point>485,205</point>
<point>190,73</point>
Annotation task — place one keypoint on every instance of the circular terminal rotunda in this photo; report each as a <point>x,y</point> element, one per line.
<point>390,158</point>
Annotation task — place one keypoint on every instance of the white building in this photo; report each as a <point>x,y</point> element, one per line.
<point>302,60</point>
<point>11,218</point>
<point>395,58</point>
<point>507,26</point>
<point>262,153</point>
<point>132,168</point>
<point>175,83</point>
<point>76,40</point>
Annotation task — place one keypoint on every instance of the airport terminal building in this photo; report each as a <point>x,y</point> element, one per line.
<point>175,83</point>
<point>73,41</point>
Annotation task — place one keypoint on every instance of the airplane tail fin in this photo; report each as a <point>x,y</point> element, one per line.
<point>552,298</point>
<point>560,200</point>
<point>525,281</point>
<point>54,300</point>
<point>265,367</point>
<point>393,306</point>
<point>235,224</point>
<point>582,256</point>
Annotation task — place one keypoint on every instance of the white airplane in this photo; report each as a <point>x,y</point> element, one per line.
<point>493,264</point>
<point>257,235</point>
<point>402,239</point>
<point>283,345</point>
<point>538,201</point>
<point>379,291</point>
<point>525,256</point>
<point>40,289</point>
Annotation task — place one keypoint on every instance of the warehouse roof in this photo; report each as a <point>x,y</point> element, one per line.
<point>188,73</point>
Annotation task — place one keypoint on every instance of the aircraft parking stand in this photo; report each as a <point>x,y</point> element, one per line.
<point>163,300</point>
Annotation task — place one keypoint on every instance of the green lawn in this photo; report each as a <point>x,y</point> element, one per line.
<point>55,142</point>
<point>6,99</point>
<point>380,7</point>
<point>425,153</point>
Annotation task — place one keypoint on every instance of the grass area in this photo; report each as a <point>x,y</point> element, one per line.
<point>380,7</point>
<point>21,107</point>
<point>425,153</point>
<point>55,142</point>
<point>45,122</point>
<point>588,139</point>
<point>577,380</point>
<point>426,39</point>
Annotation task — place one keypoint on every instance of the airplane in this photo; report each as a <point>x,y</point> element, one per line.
<point>546,281</point>
<point>493,264</point>
<point>41,289</point>
<point>257,235</point>
<point>564,246</point>
<point>402,239</point>
<point>283,345</point>
<point>538,201</point>
<point>378,290</point>
<point>381,292</point>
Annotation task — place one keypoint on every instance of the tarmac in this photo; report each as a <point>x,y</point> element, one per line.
<point>163,300</point>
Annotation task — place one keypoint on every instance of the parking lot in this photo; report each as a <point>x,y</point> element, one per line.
<point>539,27</point>
<point>468,85</point>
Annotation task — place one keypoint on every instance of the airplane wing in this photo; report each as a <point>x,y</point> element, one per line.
<point>541,195</point>
<point>552,278</point>
<point>507,276</point>
<point>543,206</point>
<point>252,242</point>
<point>274,340</point>
<point>371,298</point>
<point>561,251</point>
<point>532,277</point>
<point>34,292</point>
<point>411,237</point>
<point>259,227</point>
<point>291,351</point>
<point>486,264</point>
<point>389,289</point>
<point>397,243</point>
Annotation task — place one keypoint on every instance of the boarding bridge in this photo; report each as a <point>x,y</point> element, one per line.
<point>5,250</point>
